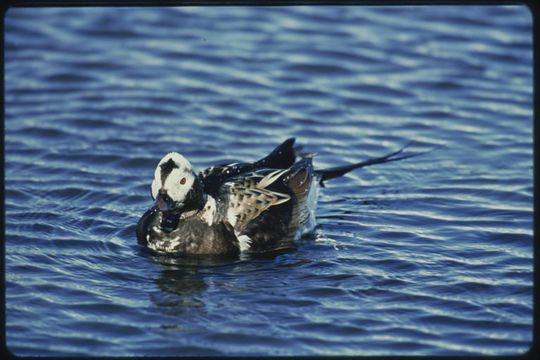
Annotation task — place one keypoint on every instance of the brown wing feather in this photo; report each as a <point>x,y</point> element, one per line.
<point>248,198</point>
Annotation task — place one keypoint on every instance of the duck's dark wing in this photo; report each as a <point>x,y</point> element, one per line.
<point>268,206</point>
<point>282,157</point>
<point>213,177</point>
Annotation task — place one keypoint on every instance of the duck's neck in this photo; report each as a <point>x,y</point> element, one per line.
<point>195,198</point>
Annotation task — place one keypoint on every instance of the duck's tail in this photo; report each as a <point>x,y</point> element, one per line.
<point>334,172</point>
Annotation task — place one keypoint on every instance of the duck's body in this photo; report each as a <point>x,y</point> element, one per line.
<point>250,207</point>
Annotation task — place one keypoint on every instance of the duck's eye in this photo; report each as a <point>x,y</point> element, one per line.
<point>183,181</point>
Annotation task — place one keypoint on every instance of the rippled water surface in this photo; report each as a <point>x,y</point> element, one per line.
<point>425,256</point>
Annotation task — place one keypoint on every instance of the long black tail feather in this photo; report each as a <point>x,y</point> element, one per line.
<point>338,171</point>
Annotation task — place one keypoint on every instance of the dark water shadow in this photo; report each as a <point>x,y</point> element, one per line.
<point>182,279</point>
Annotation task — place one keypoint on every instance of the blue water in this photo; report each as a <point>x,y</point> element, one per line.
<point>425,256</point>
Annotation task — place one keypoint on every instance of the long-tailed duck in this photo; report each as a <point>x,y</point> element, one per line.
<point>239,207</point>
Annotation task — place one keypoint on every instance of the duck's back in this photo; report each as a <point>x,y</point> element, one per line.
<point>282,157</point>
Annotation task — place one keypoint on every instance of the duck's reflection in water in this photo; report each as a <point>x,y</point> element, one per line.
<point>183,279</point>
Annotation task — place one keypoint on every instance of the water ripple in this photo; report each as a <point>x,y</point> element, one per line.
<point>425,256</point>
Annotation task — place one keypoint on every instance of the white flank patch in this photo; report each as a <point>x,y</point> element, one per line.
<point>311,204</point>
<point>209,211</point>
<point>313,197</point>
<point>245,242</point>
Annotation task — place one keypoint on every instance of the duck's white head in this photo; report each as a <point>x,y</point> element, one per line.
<point>176,187</point>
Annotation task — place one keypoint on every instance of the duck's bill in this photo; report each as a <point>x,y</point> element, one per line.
<point>163,202</point>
